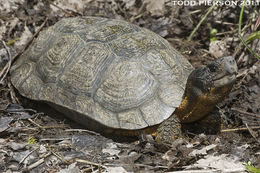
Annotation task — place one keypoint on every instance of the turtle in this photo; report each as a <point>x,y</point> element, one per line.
<point>115,77</point>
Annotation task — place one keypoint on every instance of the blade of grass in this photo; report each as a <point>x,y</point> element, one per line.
<point>200,22</point>
<point>253,36</point>
<point>240,35</point>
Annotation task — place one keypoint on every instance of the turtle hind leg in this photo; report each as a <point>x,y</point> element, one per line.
<point>169,130</point>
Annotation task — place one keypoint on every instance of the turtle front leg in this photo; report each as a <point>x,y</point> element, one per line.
<point>169,130</point>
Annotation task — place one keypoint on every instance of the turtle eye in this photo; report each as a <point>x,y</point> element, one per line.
<point>213,68</point>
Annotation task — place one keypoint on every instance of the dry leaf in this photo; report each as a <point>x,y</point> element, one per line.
<point>26,35</point>
<point>155,7</point>
<point>129,3</point>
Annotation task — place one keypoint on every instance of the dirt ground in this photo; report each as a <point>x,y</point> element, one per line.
<point>34,139</point>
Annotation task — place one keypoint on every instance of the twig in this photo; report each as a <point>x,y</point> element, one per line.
<point>3,151</point>
<point>139,13</point>
<point>244,74</point>
<point>249,120</point>
<point>252,132</point>
<point>197,171</point>
<point>124,12</point>
<point>18,110</point>
<point>232,170</point>
<point>90,163</point>
<point>239,129</point>
<point>60,157</point>
<point>87,170</point>
<point>35,164</point>
<point>137,164</point>
<point>225,33</point>
<point>246,113</point>
<point>28,128</point>
<point>9,63</point>
<point>54,127</point>
<point>195,11</point>
<point>54,139</point>
<point>45,127</point>
<point>257,23</point>
<point>20,52</point>
<point>66,10</point>
<point>28,155</point>
<point>12,94</point>
<point>82,130</point>
<point>38,125</point>
<point>225,23</point>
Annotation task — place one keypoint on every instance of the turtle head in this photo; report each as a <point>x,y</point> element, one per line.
<point>206,86</point>
<point>217,74</point>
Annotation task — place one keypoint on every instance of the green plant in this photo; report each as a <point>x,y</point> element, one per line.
<point>213,34</point>
<point>251,168</point>
<point>31,140</point>
<point>239,32</point>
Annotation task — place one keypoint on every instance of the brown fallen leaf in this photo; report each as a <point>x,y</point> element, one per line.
<point>155,7</point>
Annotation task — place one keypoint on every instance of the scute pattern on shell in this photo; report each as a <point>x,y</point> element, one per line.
<point>116,73</point>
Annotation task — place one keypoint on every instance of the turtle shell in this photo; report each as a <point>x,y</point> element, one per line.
<point>106,71</point>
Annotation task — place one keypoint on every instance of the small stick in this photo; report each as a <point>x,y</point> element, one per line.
<point>9,63</point>
<point>54,127</point>
<point>90,163</point>
<point>38,125</point>
<point>28,128</point>
<point>28,155</point>
<point>54,139</point>
<point>82,130</point>
<point>66,10</point>
<point>197,171</point>
<point>195,11</point>
<point>239,129</point>
<point>225,23</point>
<point>246,113</point>
<point>44,127</point>
<point>224,33</point>
<point>35,164</point>
<point>252,132</point>
<point>248,119</point>
<point>257,23</point>
<point>60,157</point>
<point>3,151</point>
<point>140,165</point>
<point>18,110</point>
<point>14,99</point>
<point>87,169</point>
<point>232,170</point>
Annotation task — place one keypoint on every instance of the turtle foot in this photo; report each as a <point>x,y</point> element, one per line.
<point>169,131</point>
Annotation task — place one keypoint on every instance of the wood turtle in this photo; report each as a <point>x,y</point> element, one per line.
<point>115,77</point>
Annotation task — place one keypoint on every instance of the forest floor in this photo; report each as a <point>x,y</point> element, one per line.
<point>34,140</point>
